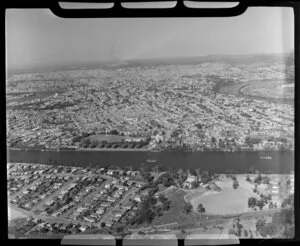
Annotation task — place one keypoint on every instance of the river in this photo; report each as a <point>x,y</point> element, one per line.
<point>218,162</point>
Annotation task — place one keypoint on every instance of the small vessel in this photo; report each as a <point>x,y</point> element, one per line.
<point>151,161</point>
<point>266,157</point>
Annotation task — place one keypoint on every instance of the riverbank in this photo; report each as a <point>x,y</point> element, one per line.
<point>269,88</point>
<point>218,162</point>
<point>149,150</point>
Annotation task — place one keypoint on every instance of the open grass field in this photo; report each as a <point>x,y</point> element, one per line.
<point>228,200</point>
<point>195,194</point>
<point>225,202</point>
<point>269,90</point>
<point>14,214</point>
<point>176,212</point>
<point>273,89</point>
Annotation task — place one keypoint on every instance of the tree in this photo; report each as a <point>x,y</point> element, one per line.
<point>269,229</point>
<point>102,224</point>
<point>261,203</point>
<point>198,172</point>
<point>158,211</point>
<point>258,179</point>
<point>119,228</point>
<point>248,178</point>
<point>164,201</point>
<point>235,184</point>
<point>200,208</point>
<point>266,180</point>
<point>195,184</point>
<point>146,176</point>
<point>252,170</point>
<point>260,223</point>
<point>114,132</point>
<point>193,172</point>
<point>188,208</point>
<point>252,202</point>
<point>232,231</point>
<point>182,176</point>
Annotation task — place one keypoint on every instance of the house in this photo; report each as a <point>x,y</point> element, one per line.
<point>110,172</point>
<point>145,192</point>
<point>104,191</point>
<point>118,214</point>
<point>105,204</point>
<point>108,223</point>
<point>89,219</point>
<point>127,207</point>
<point>137,199</point>
<point>50,202</point>
<point>189,181</point>
<point>82,228</point>
<point>100,211</point>
<point>111,199</point>
<point>117,195</point>
<point>191,178</point>
<point>134,173</point>
<point>63,227</point>
<point>55,214</point>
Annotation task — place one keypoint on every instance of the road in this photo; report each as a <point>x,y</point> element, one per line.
<point>86,198</point>
<point>208,222</point>
<point>131,193</point>
<point>47,218</point>
<point>54,194</point>
<point>23,189</point>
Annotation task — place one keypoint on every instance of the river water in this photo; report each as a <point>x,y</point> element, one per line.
<point>219,162</point>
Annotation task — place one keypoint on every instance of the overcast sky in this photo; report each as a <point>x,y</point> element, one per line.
<point>37,36</point>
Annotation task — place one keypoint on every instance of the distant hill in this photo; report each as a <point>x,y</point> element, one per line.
<point>231,59</point>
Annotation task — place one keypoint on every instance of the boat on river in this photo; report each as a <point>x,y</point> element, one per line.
<point>266,157</point>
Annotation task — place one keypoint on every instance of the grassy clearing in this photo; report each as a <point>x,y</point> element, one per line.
<point>228,200</point>
<point>272,89</point>
<point>14,214</point>
<point>195,194</point>
<point>176,212</point>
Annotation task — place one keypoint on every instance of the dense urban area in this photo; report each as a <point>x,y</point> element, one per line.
<point>57,200</point>
<point>208,106</point>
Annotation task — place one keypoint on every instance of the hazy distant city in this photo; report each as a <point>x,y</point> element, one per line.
<point>207,106</point>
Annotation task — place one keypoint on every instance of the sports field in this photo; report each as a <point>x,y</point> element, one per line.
<point>272,89</point>
<point>228,200</point>
<point>268,90</point>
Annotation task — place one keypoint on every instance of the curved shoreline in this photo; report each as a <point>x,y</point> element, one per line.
<point>242,85</point>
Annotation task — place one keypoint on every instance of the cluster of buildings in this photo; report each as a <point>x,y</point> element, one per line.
<point>281,187</point>
<point>141,101</point>
<point>73,197</point>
